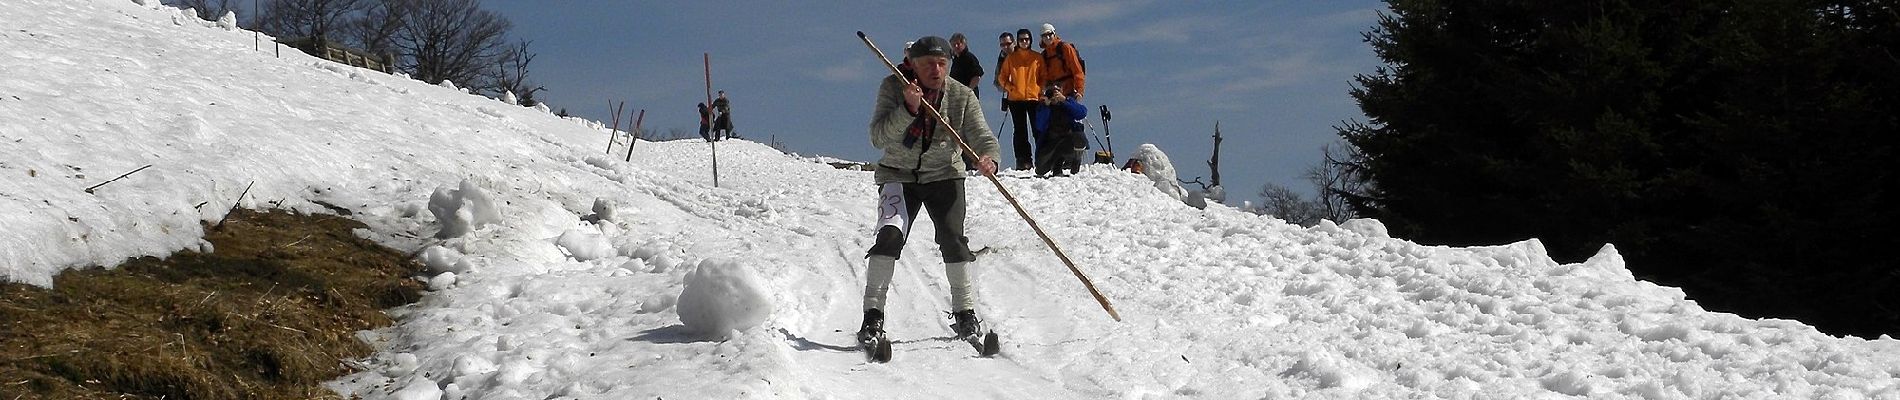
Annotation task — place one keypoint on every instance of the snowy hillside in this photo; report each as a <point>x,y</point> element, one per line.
<point>546,303</point>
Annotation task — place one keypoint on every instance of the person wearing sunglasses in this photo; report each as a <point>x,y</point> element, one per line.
<point>1060,64</point>
<point>1021,78</point>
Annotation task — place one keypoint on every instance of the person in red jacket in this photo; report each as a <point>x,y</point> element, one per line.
<point>1060,64</point>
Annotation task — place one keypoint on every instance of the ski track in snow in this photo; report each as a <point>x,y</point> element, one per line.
<point>1218,303</point>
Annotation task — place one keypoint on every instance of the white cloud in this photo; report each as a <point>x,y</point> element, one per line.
<point>842,72</point>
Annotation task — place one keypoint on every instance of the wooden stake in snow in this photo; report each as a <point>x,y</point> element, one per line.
<point>89,189</point>
<point>999,187</point>
<point>613,132</point>
<point>715,143</point>
<point>636,134</point>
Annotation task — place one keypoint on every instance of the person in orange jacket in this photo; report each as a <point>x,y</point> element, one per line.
<point>1021,78</point>
<point>1060,64</point>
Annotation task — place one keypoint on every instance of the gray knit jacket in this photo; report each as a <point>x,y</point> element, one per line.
<point>944,159</point>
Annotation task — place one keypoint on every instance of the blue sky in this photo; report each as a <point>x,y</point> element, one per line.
<point>1274,74</point>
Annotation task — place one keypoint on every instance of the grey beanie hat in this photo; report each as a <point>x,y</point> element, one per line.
<point>928,46</point>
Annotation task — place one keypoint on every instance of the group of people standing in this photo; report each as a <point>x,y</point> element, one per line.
<point>922,169</point>
<point>1042,93</point>
<point>715,122</point>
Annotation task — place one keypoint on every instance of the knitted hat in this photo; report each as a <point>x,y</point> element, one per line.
<point>1047,28</point>
<point>928,46</point>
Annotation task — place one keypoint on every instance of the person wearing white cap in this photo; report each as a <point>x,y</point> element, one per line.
<point>1060,65</point>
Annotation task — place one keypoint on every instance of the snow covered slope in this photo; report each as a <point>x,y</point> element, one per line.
<point>546,304</point>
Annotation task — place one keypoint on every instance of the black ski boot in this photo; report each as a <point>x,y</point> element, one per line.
<point>967,325</point>
<point>970,329</point>
<point>873,328</point>
<point>871,336</point>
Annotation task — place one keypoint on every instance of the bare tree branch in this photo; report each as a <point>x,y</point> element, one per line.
<point>452,40</point>
<point>306,18</point>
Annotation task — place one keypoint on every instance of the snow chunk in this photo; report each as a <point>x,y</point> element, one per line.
<point>401,365</point>
<point>1155,165</point>
<point>1366,227</point>
<point>470,365</point>
<point>228,21</point>
<point>722,296</point>
<point>1334,371</point>
<point>656,303</point>
<point>603,208</point>
<point>417,388</point>
<point>442,281</point>
<point>509,97</point>
<point>585,246</point>
<point>462,210</point>
<point>440,259</point>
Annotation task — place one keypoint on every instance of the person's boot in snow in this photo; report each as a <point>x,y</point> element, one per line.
<point>873,325</point>
<point>967,325</point>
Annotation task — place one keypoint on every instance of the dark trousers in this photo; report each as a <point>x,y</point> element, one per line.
<point>944,201</point>
<point>1057,152</point>
<point>1019,112</point>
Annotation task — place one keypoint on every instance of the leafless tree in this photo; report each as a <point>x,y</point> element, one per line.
<point>1334,180</point>
<point>453,40</point>
<point>209,10</point>
<point>375,29</point>
<point>1283,203</point>
<point>513,74</point>
<point>1213,163</point>
<point>306,18</point>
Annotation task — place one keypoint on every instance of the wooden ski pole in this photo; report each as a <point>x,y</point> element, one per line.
<point>999,188</point>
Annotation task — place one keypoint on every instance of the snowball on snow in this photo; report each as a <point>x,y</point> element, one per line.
<point>509,97</point>
<point>603,209</point>
<point>462,210</point>
<point>722,296</point>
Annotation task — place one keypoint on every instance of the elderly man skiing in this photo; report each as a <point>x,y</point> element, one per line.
<point>923,166</point>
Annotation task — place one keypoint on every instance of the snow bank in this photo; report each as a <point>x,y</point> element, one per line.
<point>1155,165</point>
<point>722,296</point>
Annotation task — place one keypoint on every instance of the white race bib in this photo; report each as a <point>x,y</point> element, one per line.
<point>891,210</point>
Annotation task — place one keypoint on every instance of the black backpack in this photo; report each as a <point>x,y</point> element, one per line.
<point>1078,56</point>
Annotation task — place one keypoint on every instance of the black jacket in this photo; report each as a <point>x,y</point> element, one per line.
<point>966,68</point>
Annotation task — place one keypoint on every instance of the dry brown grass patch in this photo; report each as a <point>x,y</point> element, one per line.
<point>270,314</point>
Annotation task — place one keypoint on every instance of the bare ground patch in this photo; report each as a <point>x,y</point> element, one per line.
<point>271,313</point>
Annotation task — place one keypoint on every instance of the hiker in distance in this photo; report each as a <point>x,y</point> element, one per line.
<point>923,166</point>
<point>722,119</point>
